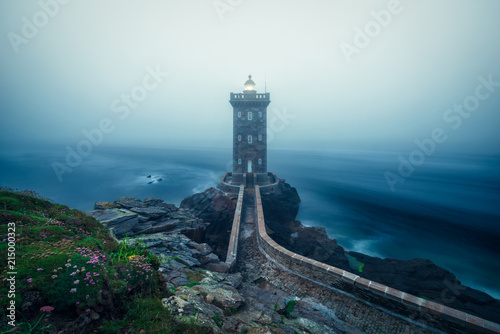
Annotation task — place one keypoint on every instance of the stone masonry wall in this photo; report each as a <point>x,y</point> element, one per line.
<point>232,249</point>
<point>424,311</point>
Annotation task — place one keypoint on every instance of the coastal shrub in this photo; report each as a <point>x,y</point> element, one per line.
<point>64,256</point>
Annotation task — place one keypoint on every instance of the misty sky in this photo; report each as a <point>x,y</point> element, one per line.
<point>70,72</point>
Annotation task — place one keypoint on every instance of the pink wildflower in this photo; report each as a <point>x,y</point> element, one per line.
<point>47,309</point>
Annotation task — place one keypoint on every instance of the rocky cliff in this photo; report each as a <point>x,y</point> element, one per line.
<point>187,241</point>
<point>207,218</point>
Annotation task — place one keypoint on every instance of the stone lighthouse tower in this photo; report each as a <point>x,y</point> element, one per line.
<point>249,130</point>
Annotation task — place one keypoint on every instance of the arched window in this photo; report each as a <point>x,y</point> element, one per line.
<point>250,115</point>
<point>239,137</point>
<point>249,139</point>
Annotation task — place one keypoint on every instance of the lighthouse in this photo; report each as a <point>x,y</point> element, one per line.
<point>249,130</point>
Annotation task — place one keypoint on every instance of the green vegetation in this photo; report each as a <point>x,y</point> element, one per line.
<point>75,267</point>
<point>217,319</point>
<point>289,307</point>
<point>195,276</point>
<point>231,310</point>
<point>354,263</point>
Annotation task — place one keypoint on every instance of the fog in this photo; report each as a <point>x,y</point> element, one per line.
<point>68,66</point>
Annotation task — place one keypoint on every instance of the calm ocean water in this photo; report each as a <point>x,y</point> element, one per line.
<point>447,211</point>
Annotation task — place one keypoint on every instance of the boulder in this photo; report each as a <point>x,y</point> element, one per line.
<point>104,205</point>
<point>152,201</point>
<point>223,297</point>
<point>203,248</point>
<point>210,258</point>
<point>127,202</point>
<point>120,220</point>
<point>151,212</point>
<point>281,203</point>
<point>217,208</point>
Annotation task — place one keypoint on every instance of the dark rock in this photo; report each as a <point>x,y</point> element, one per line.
<point>313,242</point>
<point>152,201</point>
<point>104,205</point>
<point>421,277</point>
<point>233,280</point>
<point>222,296</point>
<point>141,227</point>
<point>220,267</point>
<point>143,219</point>
<point>127,202</point>
<point>280,204</point>
<point>120,220</point>
<point>163,226</point>
<point>203,248</point>
<point>188,261</point>
<point>217,208</point>
<point>152,212</point>
<point>210,258</point>
<point>168,207</point>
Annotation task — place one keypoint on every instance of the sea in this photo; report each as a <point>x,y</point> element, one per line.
<point>447,210</point>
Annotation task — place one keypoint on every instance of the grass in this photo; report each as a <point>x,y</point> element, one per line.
<point>289,307</point>
<point>72,263</point>
<point>148,314</point>
<point>195,276</point>
<point>217,319</point>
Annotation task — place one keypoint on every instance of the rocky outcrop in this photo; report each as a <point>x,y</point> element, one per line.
<point>421,277</point>
<point>196,236</point>
<point>281,203</point>
<point>217,208</point>
<point>120,221</point>
<point>131,217</point>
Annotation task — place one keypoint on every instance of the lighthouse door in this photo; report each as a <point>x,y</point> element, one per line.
<point>249,169</point>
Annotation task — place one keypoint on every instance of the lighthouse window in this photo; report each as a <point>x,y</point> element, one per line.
<point>249,139</point>
<point>239,113</point>
<point>260,161</point>
<point>239,161</point>
<point>239,137</point>
<point>260,137</point>
<point>250,116</point>
<point>260,114</point>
